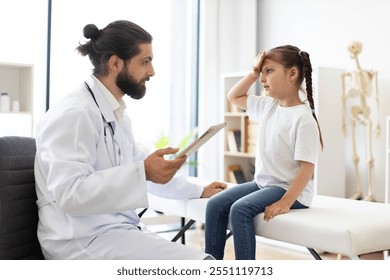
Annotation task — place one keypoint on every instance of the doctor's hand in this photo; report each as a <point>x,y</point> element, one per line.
<point>160,170</point>
<point>213,188</point>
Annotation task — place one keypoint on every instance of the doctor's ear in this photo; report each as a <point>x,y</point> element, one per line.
<point>115,63</point>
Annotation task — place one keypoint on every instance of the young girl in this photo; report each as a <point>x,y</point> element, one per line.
<point>288,142</point>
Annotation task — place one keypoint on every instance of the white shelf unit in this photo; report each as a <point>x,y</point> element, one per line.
<point>387,171</point>
<point>236,120</point>
<point>17,81</point>
<point>330,171</point>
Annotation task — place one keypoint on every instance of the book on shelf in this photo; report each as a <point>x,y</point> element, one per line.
<point>234,140</point>
<point>237,138</point>
<point>251,128</point>
<point>235,174</point>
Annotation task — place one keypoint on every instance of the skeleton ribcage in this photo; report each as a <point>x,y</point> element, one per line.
<point>359,83</point>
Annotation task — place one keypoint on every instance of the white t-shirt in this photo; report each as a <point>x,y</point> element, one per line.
<point>286,135</point>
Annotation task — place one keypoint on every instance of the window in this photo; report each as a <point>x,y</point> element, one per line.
<point>165,109</point>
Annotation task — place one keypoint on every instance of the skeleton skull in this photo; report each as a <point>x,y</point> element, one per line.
<point>355,48</point>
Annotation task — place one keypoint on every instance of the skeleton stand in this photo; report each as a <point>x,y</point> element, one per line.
<point>358,84</point>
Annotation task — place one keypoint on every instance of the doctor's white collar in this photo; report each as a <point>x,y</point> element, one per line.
<point>118,107</point>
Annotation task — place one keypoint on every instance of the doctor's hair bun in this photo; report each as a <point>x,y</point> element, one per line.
<point>90,31</point>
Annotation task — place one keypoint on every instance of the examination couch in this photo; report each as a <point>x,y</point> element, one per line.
<point>336,225</point>
<point>346,227</point>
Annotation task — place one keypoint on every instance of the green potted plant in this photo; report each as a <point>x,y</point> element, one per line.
<point>165,141</point>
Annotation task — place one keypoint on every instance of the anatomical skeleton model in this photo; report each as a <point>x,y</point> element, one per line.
<point>358,85</point>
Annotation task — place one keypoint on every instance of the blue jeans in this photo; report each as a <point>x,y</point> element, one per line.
<point>241,204</point>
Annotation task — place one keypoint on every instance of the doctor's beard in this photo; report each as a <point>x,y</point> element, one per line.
<point>130,86</point>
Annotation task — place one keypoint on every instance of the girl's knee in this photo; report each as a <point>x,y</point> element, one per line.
<point>242,208</point>
<point>218,205</point>
<point>212,203</point>
<point>238,208</point>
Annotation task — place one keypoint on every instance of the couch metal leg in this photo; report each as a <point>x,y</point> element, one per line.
<point>314,254</point>
<point>183,223</point>
<point>229,235</point>
<point>183,230</point>
<point>142,212</point>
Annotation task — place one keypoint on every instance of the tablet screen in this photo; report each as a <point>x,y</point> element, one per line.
<point>190,149</point>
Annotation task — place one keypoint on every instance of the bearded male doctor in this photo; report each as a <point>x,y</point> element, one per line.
<point>90,174</point>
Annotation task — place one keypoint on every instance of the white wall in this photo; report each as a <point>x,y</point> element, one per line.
<point>23,41</point>
<point>324,28</point>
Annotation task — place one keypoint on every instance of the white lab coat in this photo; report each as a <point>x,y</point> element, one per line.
<point>84,202</point>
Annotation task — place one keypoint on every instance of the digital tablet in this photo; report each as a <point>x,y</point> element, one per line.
<point>201,140</point>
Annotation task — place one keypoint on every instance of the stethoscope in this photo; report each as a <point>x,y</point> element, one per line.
<point>107,126</point>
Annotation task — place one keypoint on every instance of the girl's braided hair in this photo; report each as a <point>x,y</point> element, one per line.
<point>290,56</point>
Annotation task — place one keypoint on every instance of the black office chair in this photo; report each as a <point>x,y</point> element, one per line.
<point>18,209</point>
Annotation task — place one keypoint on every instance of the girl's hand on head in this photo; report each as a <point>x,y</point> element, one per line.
<point>256,67</point>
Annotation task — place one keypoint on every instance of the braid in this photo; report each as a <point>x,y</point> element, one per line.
<point>307,70</point>
<point>290,56</point>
